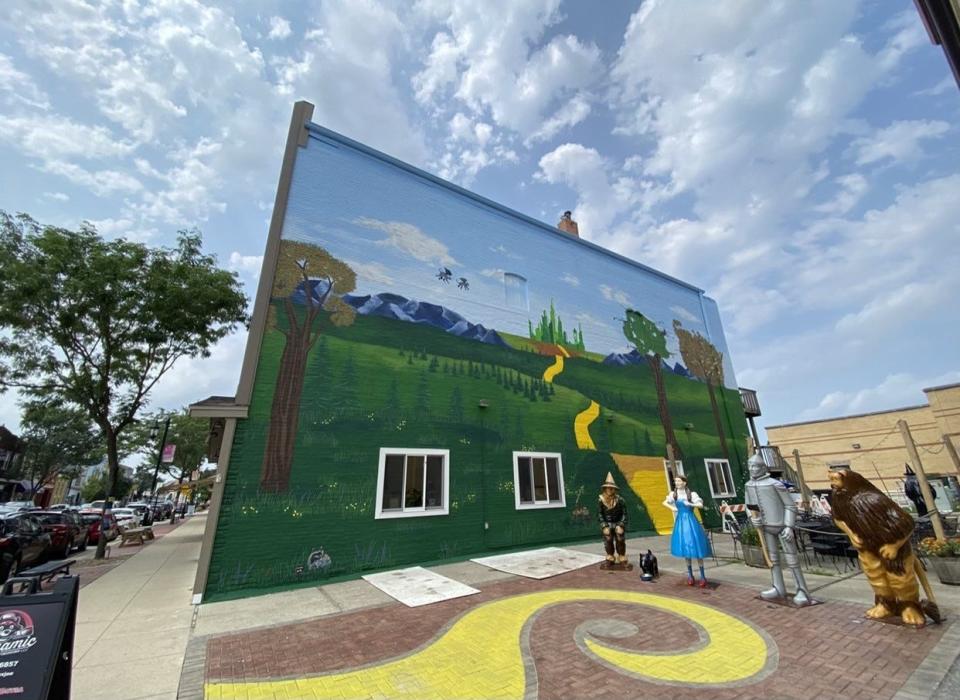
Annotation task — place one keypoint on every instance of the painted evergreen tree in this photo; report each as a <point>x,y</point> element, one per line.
<point>309,272</point>
<point>392,409</point>
<point>704,362</point>
<point>423,397</point>
<point>651,341</point>
<point>456,405</point>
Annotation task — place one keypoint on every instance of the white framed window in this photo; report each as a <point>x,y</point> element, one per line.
<point>412,483</point>
<point>538,480</point>
<point>670,475</point>
<point>720,478</point>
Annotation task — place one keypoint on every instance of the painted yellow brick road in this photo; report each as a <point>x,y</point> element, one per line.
<point>484,657</point>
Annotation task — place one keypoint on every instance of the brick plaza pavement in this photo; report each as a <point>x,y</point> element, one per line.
<point>826,651</point>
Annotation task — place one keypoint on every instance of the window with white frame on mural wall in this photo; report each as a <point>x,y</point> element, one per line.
<point>538,480</point>
<point>720,477</point>
<point>412,482</point>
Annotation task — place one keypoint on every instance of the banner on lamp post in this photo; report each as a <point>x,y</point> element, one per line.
<point>168,452</point>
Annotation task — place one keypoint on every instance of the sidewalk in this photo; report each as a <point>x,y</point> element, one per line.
<point>133,622</point>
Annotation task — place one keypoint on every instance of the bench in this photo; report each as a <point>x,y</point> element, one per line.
<point>138,534</point>
<point>46,572</point>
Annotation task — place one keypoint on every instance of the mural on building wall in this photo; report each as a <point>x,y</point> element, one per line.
<point>405,315</point>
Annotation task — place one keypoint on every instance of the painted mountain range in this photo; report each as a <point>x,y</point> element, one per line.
<point>623,359</point>
<point>424,313</point>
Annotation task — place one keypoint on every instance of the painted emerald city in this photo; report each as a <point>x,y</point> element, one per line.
<point>440,377</point>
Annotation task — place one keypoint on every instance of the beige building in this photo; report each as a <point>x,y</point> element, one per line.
<point>872,444</point>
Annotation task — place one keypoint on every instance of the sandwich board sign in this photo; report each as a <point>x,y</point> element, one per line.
<point>36,639</point>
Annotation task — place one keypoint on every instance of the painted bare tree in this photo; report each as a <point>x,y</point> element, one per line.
<point>705,363</point>
<point>308,281</point>
<point>651,341</point>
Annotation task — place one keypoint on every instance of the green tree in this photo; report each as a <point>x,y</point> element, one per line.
<point>188,435</point>
<point>308,274</point>
<point>96,323</point>
<point>101,486</point>
<point>59,440</point>
<point>651,341</point>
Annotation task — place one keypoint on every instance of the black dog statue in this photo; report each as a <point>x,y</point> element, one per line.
<point>648,567</point>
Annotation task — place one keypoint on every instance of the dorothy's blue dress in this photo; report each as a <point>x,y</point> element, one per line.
<point>689,540</point>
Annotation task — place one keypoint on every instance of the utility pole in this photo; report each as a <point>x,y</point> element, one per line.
<point>952,451</point>
<point>922,478</point>
<point>804,501</point>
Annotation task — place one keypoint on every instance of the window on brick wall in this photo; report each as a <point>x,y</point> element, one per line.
<point>538,480</point>
<point>720,477</point>
<point>412,482</point>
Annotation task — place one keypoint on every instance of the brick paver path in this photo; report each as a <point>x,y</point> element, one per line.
<point>827,651</point>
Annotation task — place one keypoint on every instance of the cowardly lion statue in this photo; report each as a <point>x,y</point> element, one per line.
<point>880,531</point>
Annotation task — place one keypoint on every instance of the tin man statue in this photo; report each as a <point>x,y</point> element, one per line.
<point>774,514</point>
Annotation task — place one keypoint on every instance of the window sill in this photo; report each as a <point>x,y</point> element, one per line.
<point>389,514</point>
<point>539,506</point>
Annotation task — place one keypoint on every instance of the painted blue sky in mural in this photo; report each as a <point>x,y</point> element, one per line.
<point>797,160</point>
<point>404,234</point>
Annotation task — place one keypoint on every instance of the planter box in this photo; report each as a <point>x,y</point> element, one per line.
<point>753,556</point>
<point>947,569</point>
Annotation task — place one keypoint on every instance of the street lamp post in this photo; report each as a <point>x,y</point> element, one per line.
<point>163,441</point>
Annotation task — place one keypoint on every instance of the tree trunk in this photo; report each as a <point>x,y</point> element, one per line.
<point>113,472</point>
<point>665,420</point>
<point>716,418</point>
<point>285,414</point>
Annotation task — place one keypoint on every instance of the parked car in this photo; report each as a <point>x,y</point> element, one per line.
<point>162,510</point>
<point>92,518</point>
<point>126,518</point>
<point>19,505</point>
<point>23,543</point>
<point>66,530</point>
<point>143,510</point>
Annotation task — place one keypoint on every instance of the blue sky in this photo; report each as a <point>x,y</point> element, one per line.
<point>796,160</point>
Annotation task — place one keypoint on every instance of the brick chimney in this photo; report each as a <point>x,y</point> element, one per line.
<point>568,225</point>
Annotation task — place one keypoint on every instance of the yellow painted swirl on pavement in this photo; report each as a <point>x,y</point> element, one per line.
<point>481,655</point>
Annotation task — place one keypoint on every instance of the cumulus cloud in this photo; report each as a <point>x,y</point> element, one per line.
<point>18,88</point>
<point>895,391</point>
<point>249,264</point>
<point>279,28</point>
<point>898,142</point>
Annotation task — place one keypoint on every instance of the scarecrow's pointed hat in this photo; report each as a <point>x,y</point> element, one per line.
<point>610,482</point>
<point>908,470</point>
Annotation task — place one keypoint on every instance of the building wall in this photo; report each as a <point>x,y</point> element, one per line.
<point>881,454</point>
<point>449,323</point>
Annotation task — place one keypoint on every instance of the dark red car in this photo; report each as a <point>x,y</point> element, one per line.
<point>66,530</point>
<point>91,519</point>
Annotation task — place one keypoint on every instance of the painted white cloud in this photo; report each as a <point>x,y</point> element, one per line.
<point>617,295</point>
<point>279,28</point>
<point>496,273</point>
<point>410,240</point>
<point>572,280</point>
<point>371,271</point>
<point>901,141</point>
<point>685,315</point>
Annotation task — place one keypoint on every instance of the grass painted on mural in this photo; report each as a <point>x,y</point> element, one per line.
<point>385,383</point>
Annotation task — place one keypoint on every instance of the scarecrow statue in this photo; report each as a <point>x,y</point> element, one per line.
<point>774,514</point>
<point>880,531</point>
<point>612,513</point>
